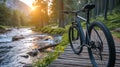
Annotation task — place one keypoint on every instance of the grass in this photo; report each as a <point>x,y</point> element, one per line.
<point>54,30</point>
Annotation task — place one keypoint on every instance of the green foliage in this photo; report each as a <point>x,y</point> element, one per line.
<point>4,14</point>
<point>11,17</point>
<point>2,27</point>
<point>117,10</point>
<point>52,30</point>
<point>55,11</point>
<point>46,60</point>
<point>112,22</point>
<point>16,18</point>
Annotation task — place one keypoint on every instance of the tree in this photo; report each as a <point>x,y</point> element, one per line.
<point>106,9</point>
<point>54,16</point>
<point>61,15</point>
<point>15,19</point>
<point>24,19</point>
<point>111,5</point>
<point>39,17</point>
<point>5,13</point>
<point>102,8</point>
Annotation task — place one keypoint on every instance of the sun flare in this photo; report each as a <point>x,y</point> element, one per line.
<point>29,3</point>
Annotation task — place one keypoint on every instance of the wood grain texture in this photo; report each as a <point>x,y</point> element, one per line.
<point>69,59</point>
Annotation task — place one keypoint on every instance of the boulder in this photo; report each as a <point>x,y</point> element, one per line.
<point>15,38</point>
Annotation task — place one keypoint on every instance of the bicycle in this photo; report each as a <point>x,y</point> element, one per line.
<point>101,50</point>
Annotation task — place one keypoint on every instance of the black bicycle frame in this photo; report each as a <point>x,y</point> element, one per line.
<point>85,39</point>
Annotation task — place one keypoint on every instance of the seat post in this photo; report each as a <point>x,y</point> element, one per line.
<point>87,16</point>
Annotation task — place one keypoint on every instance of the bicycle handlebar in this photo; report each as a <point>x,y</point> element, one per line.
<point>72,12</point>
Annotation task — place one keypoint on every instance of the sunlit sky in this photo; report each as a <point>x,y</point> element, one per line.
<point>28,2</point>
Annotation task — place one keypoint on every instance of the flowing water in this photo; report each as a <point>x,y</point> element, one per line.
<point>15,53</point>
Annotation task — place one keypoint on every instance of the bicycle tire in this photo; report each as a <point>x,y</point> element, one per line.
<point>75,39</point>
<point>102,53</point>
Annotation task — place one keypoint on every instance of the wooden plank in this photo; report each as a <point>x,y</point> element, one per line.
<point>62,65</point>
<point>69,59</point>
<point>72,62</point>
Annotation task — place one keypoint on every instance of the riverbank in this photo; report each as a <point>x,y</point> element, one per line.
<point>54,30</point>
<point>2,29</point>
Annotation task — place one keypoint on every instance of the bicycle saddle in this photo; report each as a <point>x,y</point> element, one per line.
<point>88,7</point>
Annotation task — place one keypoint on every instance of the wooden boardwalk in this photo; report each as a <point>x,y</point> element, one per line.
<point>69,59</point>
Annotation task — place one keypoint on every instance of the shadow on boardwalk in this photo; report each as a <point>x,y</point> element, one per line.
<point>69,59</point>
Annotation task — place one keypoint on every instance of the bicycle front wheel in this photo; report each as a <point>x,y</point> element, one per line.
<point>102,51</point>
<point>75,39</point>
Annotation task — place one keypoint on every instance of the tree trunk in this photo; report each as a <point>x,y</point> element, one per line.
<point>103,6</point>
<point>112,4</point>
<point>106,9</point>
<point>61,16</point>
<point>95,9</point>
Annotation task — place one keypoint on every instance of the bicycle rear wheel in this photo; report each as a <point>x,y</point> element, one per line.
<point>102,51</point>
<point>75,39</point>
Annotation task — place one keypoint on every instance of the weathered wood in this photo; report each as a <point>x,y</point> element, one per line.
<point>62,65</point>
<point>48,46</point>
<point>69,59</point>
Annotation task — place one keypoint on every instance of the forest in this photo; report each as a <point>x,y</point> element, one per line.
<point>47,12</point>
<point>7,16</point>
<point>47,17</point>
<point>103,8</point>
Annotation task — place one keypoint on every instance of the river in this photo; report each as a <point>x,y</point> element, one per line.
<point>17,53</point>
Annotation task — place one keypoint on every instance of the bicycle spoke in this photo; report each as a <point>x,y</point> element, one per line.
<point>75,39</point>
<point>100,46</point>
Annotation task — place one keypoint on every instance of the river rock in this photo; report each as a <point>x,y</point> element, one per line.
<point>48,38</point>
<point>33,53</point>
<point>28,65</point>
<point>3,31</point>
<point>15,38</point>
<point>25,56</point>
